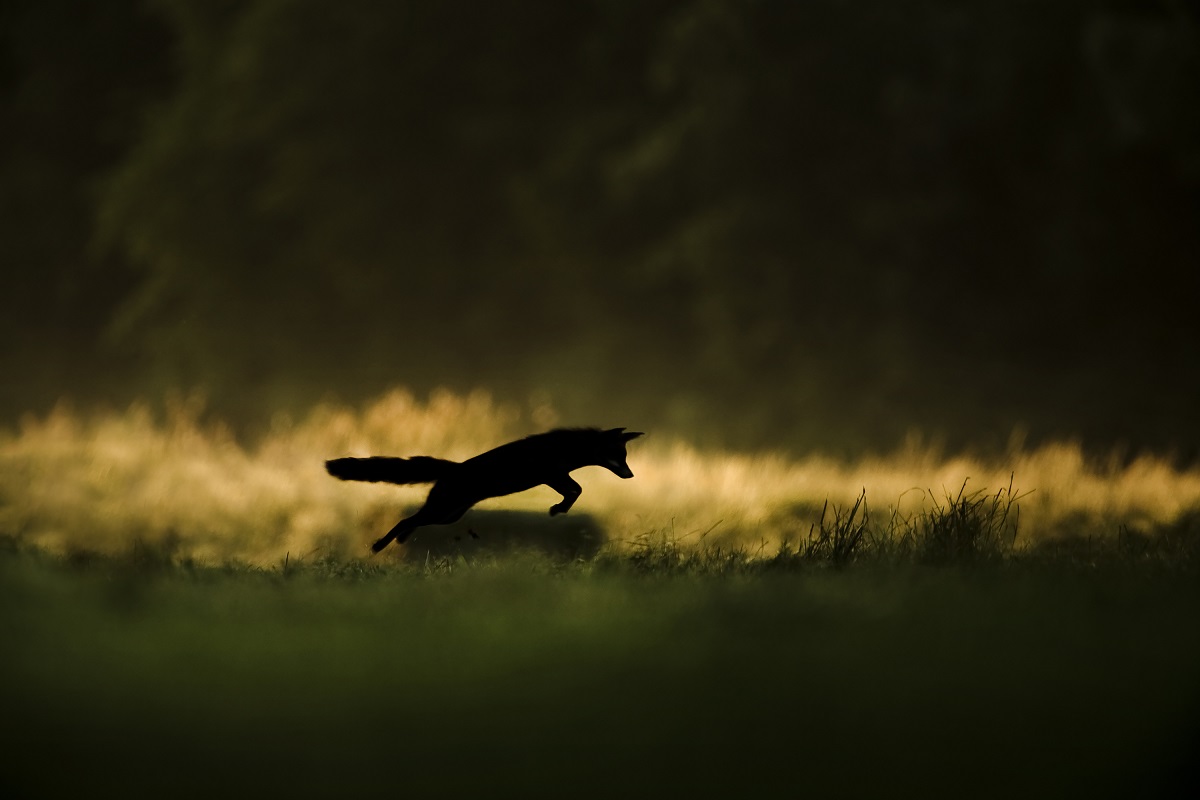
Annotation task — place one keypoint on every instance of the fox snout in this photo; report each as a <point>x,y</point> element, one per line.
<point>620,468</point>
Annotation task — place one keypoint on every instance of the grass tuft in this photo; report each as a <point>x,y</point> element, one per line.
<point>966,528</point>
<point>838,540</point>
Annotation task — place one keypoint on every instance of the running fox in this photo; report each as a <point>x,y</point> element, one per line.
<point>545,458</point>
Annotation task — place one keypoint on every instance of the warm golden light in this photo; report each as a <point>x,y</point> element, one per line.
<point>103,482</point>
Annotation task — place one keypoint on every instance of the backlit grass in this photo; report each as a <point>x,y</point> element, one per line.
<point>99,482</point>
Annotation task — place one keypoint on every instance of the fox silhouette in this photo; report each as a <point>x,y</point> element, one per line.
<point>544,458</point>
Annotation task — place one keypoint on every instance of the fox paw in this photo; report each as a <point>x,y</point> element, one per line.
<point>557,510</point>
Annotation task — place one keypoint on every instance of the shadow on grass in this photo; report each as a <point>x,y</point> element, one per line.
<point>484,533</point>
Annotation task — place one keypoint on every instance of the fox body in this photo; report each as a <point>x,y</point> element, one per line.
<point>546,458</point>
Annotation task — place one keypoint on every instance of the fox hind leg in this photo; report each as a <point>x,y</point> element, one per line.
<point>400,532</point>
<point>430,514</point>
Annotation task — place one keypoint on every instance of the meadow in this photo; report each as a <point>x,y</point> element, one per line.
<point>184,613</point>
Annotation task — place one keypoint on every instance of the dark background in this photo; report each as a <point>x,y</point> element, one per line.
<point>801,225</point>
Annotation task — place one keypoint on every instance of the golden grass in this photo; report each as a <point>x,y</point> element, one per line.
<point>104,481</point>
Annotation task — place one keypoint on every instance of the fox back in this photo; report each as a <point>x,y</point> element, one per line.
<point>556,452</point>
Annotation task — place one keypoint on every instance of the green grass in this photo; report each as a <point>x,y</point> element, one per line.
<point>704,671</point>
<point>183,614</point>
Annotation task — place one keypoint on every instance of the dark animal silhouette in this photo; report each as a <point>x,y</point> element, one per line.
<point>546,458</point>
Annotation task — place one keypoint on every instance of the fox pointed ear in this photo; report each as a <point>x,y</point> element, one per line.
<point>625,437</point>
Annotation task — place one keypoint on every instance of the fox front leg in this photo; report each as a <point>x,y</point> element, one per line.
<point>569,489</point>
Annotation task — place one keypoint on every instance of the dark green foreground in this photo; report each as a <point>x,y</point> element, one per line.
<point>519,677</point>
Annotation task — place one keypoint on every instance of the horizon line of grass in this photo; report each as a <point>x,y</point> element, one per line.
<point>98,480</point>
<point>966,529</point>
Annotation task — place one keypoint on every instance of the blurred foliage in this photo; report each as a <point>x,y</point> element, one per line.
<point>789,224</point>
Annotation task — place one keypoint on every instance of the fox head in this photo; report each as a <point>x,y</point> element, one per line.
<point>612,452</point>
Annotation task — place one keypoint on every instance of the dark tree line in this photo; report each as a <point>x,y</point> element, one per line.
<point>813,224</point>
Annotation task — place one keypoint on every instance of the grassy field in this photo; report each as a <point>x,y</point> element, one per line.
<point>185,615</point>
<point>703,673</point>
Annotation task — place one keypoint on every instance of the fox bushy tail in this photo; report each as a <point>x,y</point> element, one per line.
<point>383,469</point>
